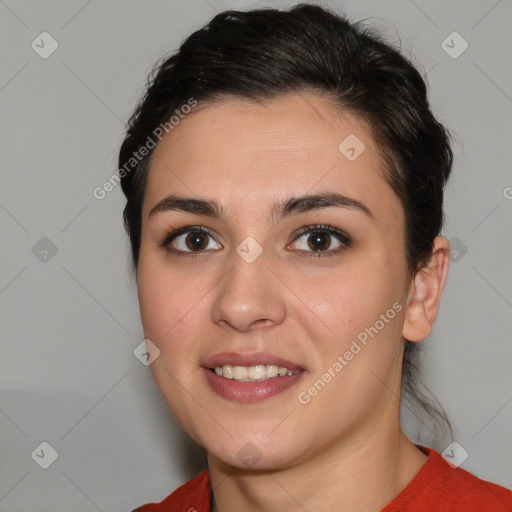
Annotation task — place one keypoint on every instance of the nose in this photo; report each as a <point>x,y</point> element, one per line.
<point>249,297</point>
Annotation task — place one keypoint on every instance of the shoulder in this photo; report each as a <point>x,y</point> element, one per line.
<point>441,486</point>
<point>193,496</point>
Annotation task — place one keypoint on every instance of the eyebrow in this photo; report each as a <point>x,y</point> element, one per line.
<point>282,209</point>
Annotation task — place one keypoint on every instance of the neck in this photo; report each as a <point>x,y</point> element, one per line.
<point>363,475</point>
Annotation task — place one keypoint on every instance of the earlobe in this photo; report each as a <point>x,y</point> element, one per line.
<point>425,293</point>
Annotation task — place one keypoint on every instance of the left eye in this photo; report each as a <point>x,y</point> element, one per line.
<point>319,239</point>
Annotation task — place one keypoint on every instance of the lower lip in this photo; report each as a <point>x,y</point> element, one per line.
<point>249,392</point>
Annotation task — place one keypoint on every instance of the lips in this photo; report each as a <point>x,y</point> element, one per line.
<point>256,390</point>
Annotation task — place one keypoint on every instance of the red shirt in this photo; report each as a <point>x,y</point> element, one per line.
<point>436,487</point>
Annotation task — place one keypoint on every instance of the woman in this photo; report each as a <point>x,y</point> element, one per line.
<point>284,179</point>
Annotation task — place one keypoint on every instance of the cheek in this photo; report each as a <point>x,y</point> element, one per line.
<point>354,302</point>
<point>168,303</point>
<point>343,299</point>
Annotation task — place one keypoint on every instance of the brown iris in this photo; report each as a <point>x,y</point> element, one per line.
<point>319,241</point>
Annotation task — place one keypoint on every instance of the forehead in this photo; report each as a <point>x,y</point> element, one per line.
<point>291,145</point>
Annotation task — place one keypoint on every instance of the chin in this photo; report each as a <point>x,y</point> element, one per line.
<point>251,458</point>
<point>252,451</point>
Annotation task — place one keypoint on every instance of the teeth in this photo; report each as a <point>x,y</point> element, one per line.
<point>227,371</point>
<point>255,373</point>
<point>272,371</point>
<point>240,372</point>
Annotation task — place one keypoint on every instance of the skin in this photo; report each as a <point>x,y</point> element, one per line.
<point>344,450</point>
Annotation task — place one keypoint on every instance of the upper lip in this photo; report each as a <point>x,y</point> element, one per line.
<point>238,359</point>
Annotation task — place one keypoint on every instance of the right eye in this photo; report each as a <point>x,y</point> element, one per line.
<point>190,239</point>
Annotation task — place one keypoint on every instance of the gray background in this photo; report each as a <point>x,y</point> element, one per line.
<point>70,320</point>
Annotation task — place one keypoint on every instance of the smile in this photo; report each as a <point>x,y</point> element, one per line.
<point>247,378</point>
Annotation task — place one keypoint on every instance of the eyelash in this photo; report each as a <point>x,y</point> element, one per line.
<point>341,236</point>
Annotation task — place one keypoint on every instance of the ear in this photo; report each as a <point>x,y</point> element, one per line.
<point>425,293</point>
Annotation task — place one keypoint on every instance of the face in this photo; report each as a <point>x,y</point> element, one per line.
<point>277,247</point>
